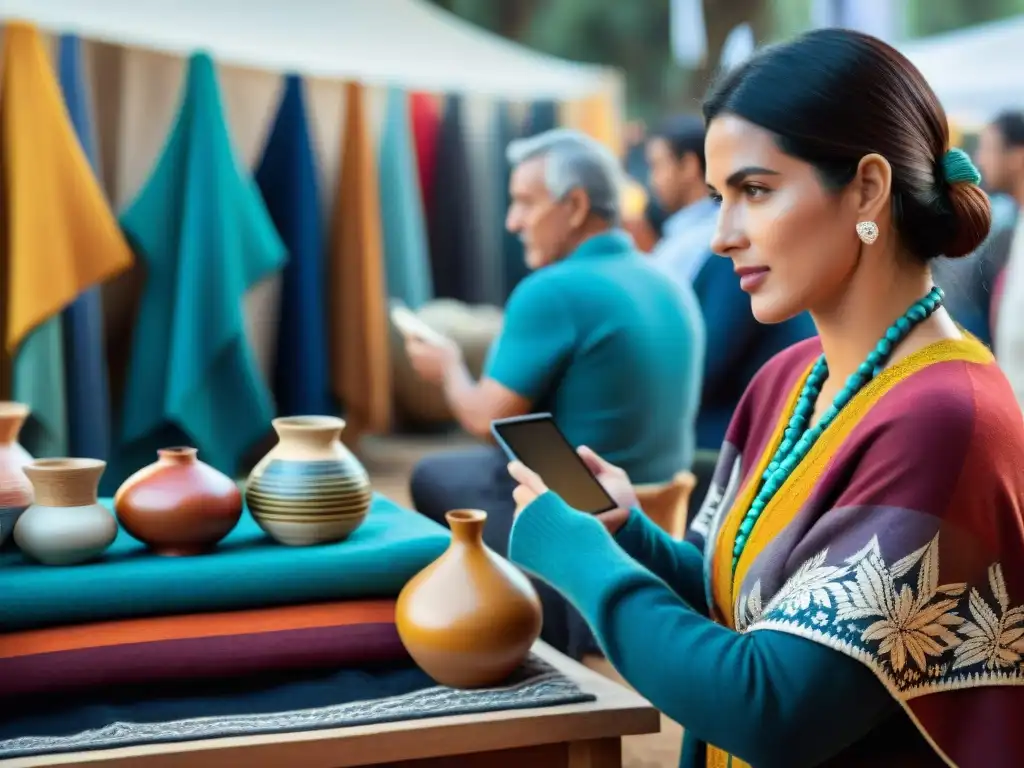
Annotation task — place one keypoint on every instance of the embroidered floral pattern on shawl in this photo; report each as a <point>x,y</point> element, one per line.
<point>919,636</point>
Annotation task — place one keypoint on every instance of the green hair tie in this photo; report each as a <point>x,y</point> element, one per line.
<point>957,167</point>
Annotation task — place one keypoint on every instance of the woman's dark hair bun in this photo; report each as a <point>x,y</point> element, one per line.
<point>832,96</point>
<point>971,212</point>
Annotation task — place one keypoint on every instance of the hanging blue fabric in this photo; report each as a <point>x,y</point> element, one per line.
<point>85,364</point>
<point>406,255</point>
<point>455,266</point>
<point>287,178</point>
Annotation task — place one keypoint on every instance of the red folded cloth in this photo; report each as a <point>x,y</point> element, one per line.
<point>198,646</point>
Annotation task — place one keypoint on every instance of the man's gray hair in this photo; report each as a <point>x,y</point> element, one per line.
<point>573,160</point>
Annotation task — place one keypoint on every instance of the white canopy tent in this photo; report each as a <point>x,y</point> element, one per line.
<point>976,71</point>
<point>408,43</point>
<point>135,58</point>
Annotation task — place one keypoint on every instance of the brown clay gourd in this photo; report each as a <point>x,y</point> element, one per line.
<point>178,505</point>
<point>469,618</point>
<point>15,489</point>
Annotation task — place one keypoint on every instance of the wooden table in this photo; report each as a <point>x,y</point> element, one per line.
<point>585,735</point>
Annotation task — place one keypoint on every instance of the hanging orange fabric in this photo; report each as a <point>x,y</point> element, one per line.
<point>596,116</point>
<point>360,364</point>
<point>60,236</point>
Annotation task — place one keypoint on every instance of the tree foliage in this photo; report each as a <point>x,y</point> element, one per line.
<point>634,34</point>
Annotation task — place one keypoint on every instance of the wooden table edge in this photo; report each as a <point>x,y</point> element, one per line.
<point>617,712</point>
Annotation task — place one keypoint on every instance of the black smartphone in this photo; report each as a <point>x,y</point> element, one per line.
<point>537,442</point>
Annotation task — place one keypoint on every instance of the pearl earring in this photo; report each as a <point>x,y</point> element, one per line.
<point>867,231</point>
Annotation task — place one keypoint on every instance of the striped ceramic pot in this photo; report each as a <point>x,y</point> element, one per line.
<point>309,489</point>
<point>15,488</point>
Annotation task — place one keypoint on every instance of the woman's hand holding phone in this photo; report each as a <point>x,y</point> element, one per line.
<point>615,481</point>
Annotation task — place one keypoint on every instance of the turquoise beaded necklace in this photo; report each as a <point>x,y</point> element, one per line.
<point>800,435</point>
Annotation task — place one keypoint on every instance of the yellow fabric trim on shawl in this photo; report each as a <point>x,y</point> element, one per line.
<point>716,758</point>
<point>721,586</point>
<point>798,487</point>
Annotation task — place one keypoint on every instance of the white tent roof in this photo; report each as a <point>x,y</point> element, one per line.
<point>402,42</point>
<point>976,71</point>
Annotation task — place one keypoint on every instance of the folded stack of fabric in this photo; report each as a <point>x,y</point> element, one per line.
<point>249,606</point>
<point>252,638</point>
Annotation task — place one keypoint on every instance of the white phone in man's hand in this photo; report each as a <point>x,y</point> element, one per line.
<point>409,324</point>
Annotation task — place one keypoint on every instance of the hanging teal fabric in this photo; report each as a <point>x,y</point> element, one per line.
<point>454,264</point>
<point>85,357</point>
<point>200,227</point>
<point>512,252</point>
<point>406,256</point>
<point>37,379</point>
<point>287,178</point>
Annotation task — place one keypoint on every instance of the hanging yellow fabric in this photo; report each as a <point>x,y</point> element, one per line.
<point>360,364</point>
<point>60,235</point>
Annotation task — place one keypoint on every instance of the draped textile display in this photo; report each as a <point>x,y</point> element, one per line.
<point>595,116</point>
<point>401,205</point>
<point>88,390</point>
<point>287,178</point>
<point>453,239</point>
<point>360,364</point>
<point>480,115</point>
<point>60,238</point>
<point>425,115</point>
<point>507,128</point>
<point>202,230</point>
<point>136,109</point>
<point>542,116</point>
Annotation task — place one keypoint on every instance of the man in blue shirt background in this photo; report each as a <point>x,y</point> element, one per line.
<point>737,345</point>
<point>594,335</point>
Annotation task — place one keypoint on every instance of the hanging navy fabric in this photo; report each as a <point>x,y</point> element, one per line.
<point>514,266</point>
<point>287,178</point>
<point>88,390</point>
<point>543,116</point>
<point>453,260</point>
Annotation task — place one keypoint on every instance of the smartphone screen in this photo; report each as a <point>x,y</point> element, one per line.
<point>538,443</point>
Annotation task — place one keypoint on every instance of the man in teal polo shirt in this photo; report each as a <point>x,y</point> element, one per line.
<point>594,335</point>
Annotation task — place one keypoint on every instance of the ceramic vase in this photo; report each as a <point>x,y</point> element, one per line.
<point>65,524</point>
<point>15,489</point>
<point>178,505</point>
<point>469,618</point>
<point>309,489</point>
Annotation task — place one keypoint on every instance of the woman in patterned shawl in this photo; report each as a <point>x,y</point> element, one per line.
<point>852,591</point>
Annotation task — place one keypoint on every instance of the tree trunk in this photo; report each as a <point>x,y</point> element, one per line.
<point>514,18</point>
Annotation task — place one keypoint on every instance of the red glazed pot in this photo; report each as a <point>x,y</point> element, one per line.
<point>178,505</point>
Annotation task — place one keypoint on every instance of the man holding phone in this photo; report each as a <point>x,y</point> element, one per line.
<point>594,335</point>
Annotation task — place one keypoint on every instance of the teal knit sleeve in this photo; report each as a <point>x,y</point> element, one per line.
<point>768,698</point>
<point>678,563</point>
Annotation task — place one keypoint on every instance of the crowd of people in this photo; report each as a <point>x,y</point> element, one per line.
<point>818,312</point>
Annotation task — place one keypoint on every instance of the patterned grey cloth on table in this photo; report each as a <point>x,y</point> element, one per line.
<point>535,684</point>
